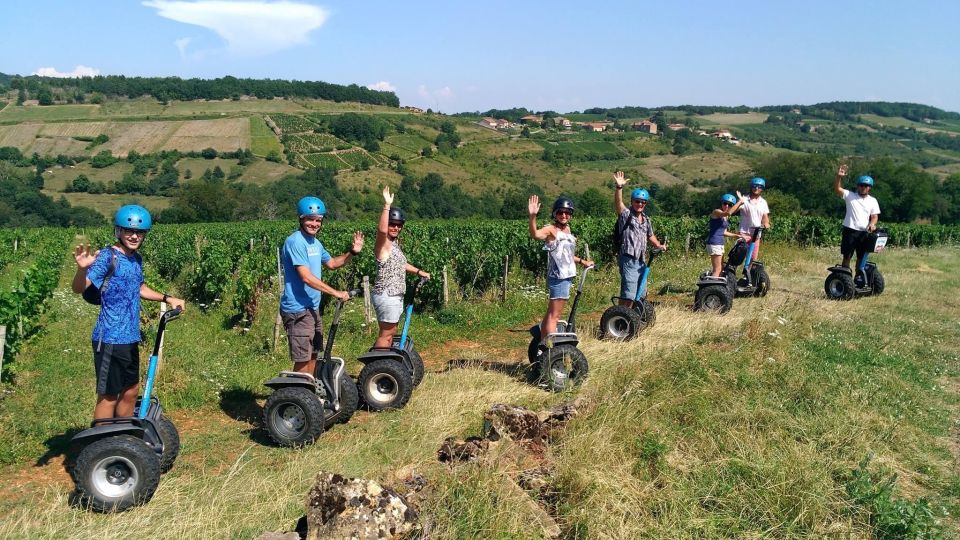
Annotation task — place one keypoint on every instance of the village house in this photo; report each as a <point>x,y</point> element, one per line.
<point>412,109</point>
<point>503,124</point>
<point>532,119</point>
<point>676,127</point>
<point>645,126</point>
<point>596,126</point>
<point>562,122</point>
<point>723,134</point>
<point>488,122</point>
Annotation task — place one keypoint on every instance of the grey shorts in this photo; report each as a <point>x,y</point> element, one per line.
<point>388,308</point>
<point>304,334</point>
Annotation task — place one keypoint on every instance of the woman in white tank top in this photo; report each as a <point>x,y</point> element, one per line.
<point>560,244</point>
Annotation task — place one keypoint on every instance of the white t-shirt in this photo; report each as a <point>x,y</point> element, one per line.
<point>752,212</point>
<point>859,210</point>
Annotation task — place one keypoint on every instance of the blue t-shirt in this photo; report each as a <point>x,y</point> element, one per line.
<point>301,250</point>
<point>119,320</point>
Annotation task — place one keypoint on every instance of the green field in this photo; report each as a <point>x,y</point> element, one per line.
<point>262,139</point>
<point>732,119</point>
<point>748,425</point>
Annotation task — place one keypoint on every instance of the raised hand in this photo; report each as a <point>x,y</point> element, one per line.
<point>842,171</point>
<point>387,196</point>
<point>739,196</point>
<point>533,205</point>
<point>83,256</point>
<point>357,241</point>
<point>620,179</point>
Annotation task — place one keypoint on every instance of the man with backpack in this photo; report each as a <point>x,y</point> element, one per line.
<point>631,233</point>
<point>113,278</point>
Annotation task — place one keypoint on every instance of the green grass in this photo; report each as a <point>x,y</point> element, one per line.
<point>262,139</point>
<point>747,425</point>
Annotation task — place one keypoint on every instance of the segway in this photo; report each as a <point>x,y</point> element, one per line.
<point>842,284</point>
<point>556,362</point>
<point>123,457</point>
<point>389,375</point>
<point>624,322</point>
<point>755,281</point>
<point>303,405</point>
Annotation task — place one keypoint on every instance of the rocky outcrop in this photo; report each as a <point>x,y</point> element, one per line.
<point>340,507</point>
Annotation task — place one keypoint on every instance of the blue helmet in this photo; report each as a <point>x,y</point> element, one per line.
<point>311,206</point>
<point>640,194</point>
<point>758,182</point>
<point>865,181</point>
<point>133,217</point>
<point>728,198</point>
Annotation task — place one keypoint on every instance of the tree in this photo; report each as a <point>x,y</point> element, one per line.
<point>208,153</point>
<point>44,96</point>
<point>21,96</point>
<point>80,184</point>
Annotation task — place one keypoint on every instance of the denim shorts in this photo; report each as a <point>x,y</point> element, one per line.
<point>388,308</point>
<point>630,272</point>
<point>559,288</point>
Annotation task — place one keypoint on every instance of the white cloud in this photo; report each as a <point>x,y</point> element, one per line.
<point>181,45</point>
<point>249,28</point>
<point>384,86</point>
<point>439,93</point>
<point>79,71</point>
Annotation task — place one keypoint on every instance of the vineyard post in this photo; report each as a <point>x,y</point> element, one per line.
<point>3,343</point>
<point>250,248</point>
<point>367,301</point>
<point>15,243</point>
<point>686,250</point>
<point>506,270</point>
<point>277,321</point>
<point>908,239</point>
<point>446,293</point>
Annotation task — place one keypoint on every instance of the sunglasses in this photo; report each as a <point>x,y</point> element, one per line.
<point>725,204</point>
<point>641,201</point>
<point>397,225</point>
<point>564,212</point>
<point>132,232</point>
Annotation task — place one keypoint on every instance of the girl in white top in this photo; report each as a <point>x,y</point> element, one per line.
<point>561,266</point>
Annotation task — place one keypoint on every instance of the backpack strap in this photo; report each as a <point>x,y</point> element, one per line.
<point>110,271</point>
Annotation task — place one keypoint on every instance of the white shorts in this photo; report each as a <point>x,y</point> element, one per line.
<point>715,249</point>
<point>388,308</point>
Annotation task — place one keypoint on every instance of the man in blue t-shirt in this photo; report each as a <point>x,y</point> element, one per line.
<point>303,259</point>
<point>117,272</point>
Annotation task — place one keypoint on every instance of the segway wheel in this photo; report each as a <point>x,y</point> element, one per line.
<point>349,401</point>
<point>565,367</point>
<point>385,384</point>
<point>716,298</point>
<point>534,352</point>
<point>731,284</point>
<point>116,473</point>
<point>620,323</point>
<point>171,442</point>
<point>876,282</point>
<point>648,314</point>
<point>418,368</point>
<point>758,275</point>
<point>839,286</point>
<point>293,416</point>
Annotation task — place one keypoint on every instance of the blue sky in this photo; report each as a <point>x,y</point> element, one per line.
<point>559,55</point>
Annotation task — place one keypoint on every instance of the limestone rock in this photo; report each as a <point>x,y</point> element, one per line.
<point>517,423</point>
<point>339,507</point>
<point>279,536</point>
<point>454,451</point>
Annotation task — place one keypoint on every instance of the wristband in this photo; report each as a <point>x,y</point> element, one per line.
<point>352,252</point>
<point>165,297</point>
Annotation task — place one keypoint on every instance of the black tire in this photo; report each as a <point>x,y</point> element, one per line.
<point>534,352</point>
<point>418,369</point>
<point>349,401</point>
<point>385,384</point>
<point>171,442</point>
<point>648,314</point>
<point>732,283</point>
<point>716,298</point>
<point>565,367</point>
<point>294,416</point>
<point>839,286</point>
<point>116,473</point>
<point>876,282</point>
<point>620,323</point>
<point>758,274</point>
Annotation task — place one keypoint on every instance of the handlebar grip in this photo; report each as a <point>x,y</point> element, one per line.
<point>172,313</point>
<point>355,293</point>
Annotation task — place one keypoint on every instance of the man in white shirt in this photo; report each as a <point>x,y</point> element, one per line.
<point>754,213</point>
<point>863,211</point>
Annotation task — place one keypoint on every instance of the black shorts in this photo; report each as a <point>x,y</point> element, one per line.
<point>852,240</point>
<point>117,366</point>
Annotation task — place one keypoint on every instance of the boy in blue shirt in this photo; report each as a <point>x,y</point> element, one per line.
<point>303,258</point>
<point>117,272</point>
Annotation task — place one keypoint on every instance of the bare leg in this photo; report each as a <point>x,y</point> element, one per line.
<point>128,400</point>
<point>554,308</point>
<point>387,331</point>
<point>717,261</point>
<point>106,406</point>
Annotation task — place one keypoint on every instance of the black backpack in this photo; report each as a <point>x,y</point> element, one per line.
<point>617,236</point>
<point>92,294</point>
